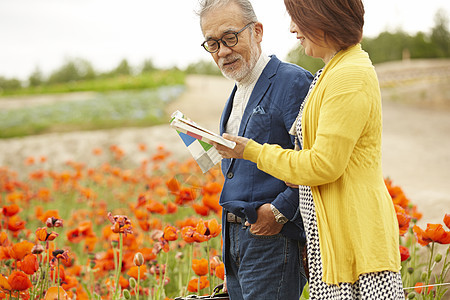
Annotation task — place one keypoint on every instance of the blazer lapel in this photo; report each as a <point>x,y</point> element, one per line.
<point>227,111</point>
<point>259,91</point>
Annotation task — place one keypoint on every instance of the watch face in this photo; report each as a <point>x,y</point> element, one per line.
<point>282,220</point>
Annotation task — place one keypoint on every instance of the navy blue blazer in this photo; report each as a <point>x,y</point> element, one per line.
<point>271,110</point>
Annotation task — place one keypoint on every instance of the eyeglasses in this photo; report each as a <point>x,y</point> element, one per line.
<point>228,40</point>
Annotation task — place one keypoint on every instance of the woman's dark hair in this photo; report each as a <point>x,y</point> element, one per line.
<point>341,21</point>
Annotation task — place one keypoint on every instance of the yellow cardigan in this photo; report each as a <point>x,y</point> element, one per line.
<point>341,161</point>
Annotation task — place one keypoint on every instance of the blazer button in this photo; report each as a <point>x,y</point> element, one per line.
<point>230,175</point>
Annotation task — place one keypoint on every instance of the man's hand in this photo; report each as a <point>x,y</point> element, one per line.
<point>265,224</point>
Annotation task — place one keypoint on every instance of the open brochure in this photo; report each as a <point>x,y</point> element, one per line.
<point>189,127</point>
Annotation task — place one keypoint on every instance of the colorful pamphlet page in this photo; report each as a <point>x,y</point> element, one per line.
<point>198,141</point>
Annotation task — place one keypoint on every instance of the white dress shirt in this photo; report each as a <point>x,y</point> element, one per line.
<point>242,95</point>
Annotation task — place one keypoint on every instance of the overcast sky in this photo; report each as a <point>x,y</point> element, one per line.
<point>44,33</point>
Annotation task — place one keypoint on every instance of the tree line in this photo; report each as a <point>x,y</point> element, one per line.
<point>392,46</point>
<point>387,46</point>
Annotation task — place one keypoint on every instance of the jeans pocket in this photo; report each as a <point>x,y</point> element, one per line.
<point>259,236</point>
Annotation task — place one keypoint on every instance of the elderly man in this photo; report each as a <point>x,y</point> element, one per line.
<point>262,228</point>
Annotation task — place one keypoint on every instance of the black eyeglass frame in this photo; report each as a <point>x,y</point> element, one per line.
<point>223,42</point>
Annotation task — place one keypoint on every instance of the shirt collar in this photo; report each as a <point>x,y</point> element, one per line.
<point>254,74</point>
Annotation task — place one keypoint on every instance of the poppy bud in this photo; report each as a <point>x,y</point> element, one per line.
<point>132,282</point>
<point>37,249</point>
<point>411,295</point>
<point>126,294</point>
<point>92,264</point>
<point>179,255</point>
<point>410,270</point>
<point>424,276</point>
<point>438,257</point>
<point>138,259</point>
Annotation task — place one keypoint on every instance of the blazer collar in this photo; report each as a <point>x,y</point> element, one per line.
<point>262,85</point>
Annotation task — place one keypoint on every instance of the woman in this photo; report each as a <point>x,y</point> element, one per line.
<point>349,218</point>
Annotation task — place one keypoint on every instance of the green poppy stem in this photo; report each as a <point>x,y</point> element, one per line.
<point>119,266</point>
<point>191,250</point>
<point>139,279</point>
<point>209,267</point>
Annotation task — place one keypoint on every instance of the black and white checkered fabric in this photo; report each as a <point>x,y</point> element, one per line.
<point>370,286</point>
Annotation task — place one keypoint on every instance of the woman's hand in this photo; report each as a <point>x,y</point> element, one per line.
<point>237,151</point>
<point>291,185</point>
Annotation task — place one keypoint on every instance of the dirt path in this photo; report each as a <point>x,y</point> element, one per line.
<point>416,145</point>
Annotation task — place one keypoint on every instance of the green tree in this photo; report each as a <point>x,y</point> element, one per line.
<point>203,67</point>
<point>36,78</point>
<point>440,35</point>
<point>297,56</point>
<point>148,66</point>
<point>9,84</point>
<point>122,69</point>
<point>422,47</point>
<point>72,70</point>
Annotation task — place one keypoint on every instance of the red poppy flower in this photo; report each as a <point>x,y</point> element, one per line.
<point>43,236</point>
<point>200,209</point>
<point>54,222</point>
<point>193,284</point>
<point>421,236</point>
<point>220,271</point>
<point>148,254</point>
<point>185,195</point>
<point>11,210</point>
<point>20,250</point>
<point>15,223</point>
<point>162,244</point>
<point>156,207</point>
<point>433,233</point>
<point>437,233</point>
<point>4,239</point>
<point>4,284</point>
<point>403,219</point>
<point>133,272</point>
<point>418,288</point>
<point>171,208</point>
<point>447,220</point>
<point>214,227</point>
<point>170,233</point>
<point>173,185</point>
<point>200,266</point>
<point>212,202</point>
<point>19,281</point>
<point>121,224</point>
<point>55,292</point>
<point>187,233</point>
<point>49,214</point>
<point>404,253</point>
<point>212,188</point>
<point>74,236</point>
<point>29,264</point>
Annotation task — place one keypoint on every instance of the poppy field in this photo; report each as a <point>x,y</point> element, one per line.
<point>114,230</point>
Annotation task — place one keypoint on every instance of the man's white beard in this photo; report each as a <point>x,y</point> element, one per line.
<point>246,66</point>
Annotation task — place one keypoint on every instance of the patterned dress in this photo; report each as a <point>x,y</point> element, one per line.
<point>376,286</point>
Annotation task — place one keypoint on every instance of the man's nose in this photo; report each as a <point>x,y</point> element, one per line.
<point>224,50</point>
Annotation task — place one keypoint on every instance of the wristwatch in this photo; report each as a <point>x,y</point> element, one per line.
<point>279,217</point>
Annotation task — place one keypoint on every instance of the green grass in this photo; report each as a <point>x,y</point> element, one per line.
<point>127,108</point>
<point>143,81</point>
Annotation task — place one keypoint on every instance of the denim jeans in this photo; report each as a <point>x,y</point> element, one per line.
<point>262,267</point>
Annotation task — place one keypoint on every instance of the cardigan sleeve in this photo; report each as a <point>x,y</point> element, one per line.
<point>341,120</point>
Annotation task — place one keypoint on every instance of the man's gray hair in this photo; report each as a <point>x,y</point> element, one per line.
<point>246,7</point>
